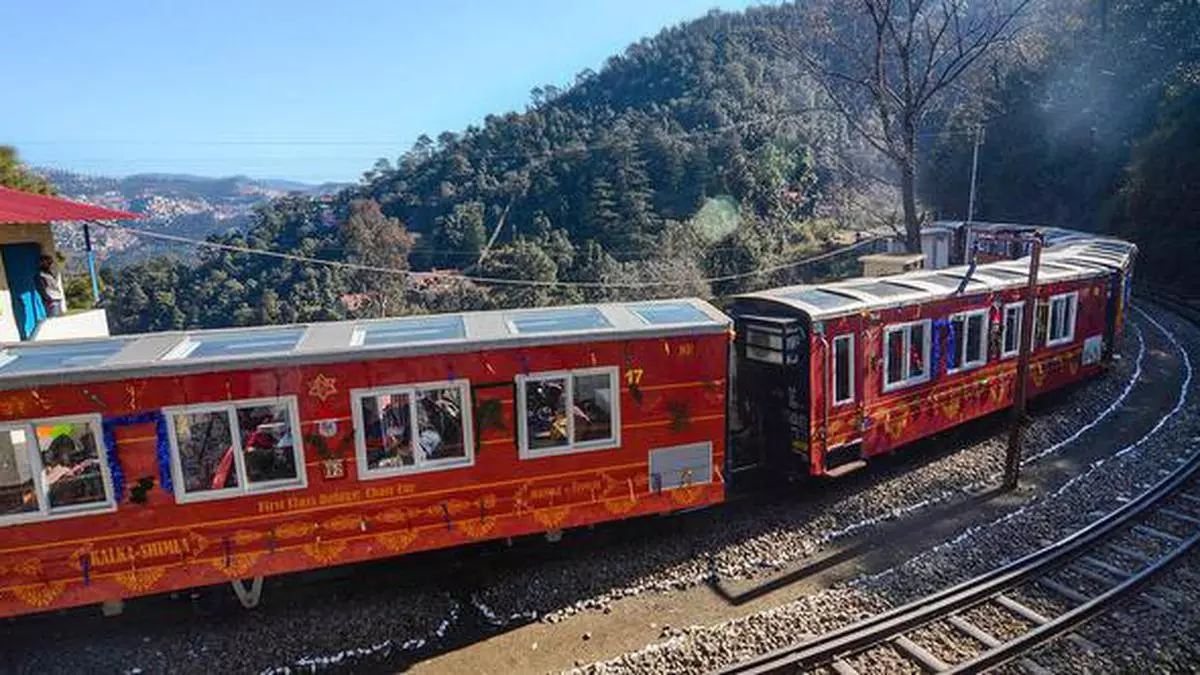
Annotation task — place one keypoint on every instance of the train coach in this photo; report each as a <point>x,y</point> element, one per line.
<point>142,464</point>
<point>830,375</point>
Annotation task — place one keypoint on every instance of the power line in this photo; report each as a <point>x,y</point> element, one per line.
<point>497,281</point>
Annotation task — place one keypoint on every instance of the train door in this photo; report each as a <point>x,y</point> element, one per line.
<point>1111,312</point>
<point>1119,304</point>
<point>771,393</point>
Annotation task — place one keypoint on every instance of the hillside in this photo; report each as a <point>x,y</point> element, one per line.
<point>706,152</point>
<point>184,205</point>
<point>704,110</point>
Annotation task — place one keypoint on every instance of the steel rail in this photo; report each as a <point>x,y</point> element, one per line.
<point>876,630</point>
<point>1068,620</point>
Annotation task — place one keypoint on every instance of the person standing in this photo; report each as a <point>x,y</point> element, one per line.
<point>50,288</point>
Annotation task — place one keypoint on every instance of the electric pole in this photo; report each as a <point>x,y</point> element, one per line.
<point>1012,461</point>
<point>974,172</point>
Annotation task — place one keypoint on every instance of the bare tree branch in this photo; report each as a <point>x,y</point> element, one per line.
<point>893,60</point>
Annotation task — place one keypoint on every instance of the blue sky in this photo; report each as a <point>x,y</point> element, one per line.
<point>293,89</point>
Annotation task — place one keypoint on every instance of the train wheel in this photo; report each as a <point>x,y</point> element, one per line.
<point>249,597</point>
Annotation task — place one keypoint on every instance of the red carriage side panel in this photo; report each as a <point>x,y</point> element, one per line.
<point>838,384</point>
<point>955,395</point>
<point>666,452</point>
<point>898,358</point>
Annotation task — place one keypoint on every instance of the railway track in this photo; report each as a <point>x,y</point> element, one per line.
<point>1089,572</point>
<point>1117,555</point>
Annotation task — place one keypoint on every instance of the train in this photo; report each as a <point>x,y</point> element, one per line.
<point>144,464</point>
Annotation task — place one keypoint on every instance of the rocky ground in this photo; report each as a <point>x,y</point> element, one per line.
<point>383,616</point>
<point>1080,499</point>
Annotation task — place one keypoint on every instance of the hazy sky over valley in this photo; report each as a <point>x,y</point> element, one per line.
<point>297,89</point>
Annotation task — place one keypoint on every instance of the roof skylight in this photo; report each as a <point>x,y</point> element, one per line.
<point>557,320</point>
<point>662,313</point>
<point>408,331</point>
<point>234,344</point>
<point>51,357</point>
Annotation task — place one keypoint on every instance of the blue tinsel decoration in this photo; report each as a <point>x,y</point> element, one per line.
<point>162,447</point>
<point>935,365</point>
<point>951,352</point>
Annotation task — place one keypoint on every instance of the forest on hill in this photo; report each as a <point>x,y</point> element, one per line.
<point>716,149</point>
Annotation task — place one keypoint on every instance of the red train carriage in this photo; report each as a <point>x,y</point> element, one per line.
<point>144,464</point>
<point>830,375</point>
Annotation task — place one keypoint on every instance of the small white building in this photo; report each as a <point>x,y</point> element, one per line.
<point>25,236</point>
<point>936,244</point>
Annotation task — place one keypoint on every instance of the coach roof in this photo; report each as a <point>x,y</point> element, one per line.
<point>1072,255</point>
<point>31,363</point>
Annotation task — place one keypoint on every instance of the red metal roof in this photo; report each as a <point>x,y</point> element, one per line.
<point>23,207</point>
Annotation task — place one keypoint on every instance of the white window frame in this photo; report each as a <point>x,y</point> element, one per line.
<point>908,380</point>
<point>420,465</point>
<point>45,510</point>
<point>960,342</point>
<point>1072,300</point>
<point>848,337</point>
<point>244,487</point>
<point>571,447</point>
<point>1019,308</point>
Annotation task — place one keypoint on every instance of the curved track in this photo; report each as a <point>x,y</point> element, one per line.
<point>1114,558</point>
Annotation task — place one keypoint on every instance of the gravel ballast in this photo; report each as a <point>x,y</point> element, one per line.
<point>1100,488</point>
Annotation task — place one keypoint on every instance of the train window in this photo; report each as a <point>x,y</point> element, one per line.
<point>204,444</point>
<point>1010,343</point>
<point>51,468</point>
<point>267,444</point>
<point>591,396</point>
<point>568,411</point>
<point>1041,318</point>
<point>387,430</point>
<point>764,344</point>
<point>843,369</point>
<point>18,492</point>
<point>970,340</point>
<point>413,428</point>
<point>906,355</point>
<point>440,437</point>
<point>235,448</point>
<point>1062,319</point>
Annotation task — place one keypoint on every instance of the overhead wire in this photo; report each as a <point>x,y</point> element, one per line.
<point>495,281</point>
